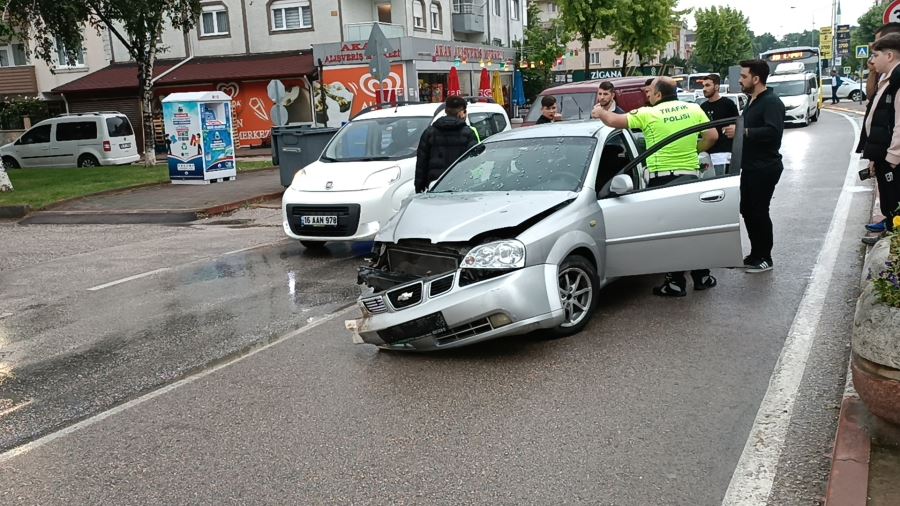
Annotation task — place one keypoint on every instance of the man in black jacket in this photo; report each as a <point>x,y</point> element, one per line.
<point>442,143</point>
<point>761,165</point>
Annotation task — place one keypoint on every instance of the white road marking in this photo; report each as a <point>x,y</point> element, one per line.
<point>87,422</point>
<point>129,278</point>
<point>163,269</point>
<point>754,475</point>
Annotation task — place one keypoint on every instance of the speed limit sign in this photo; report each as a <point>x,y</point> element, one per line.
<point>892,13</point>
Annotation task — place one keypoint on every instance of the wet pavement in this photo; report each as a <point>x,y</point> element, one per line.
<point>651,404</point>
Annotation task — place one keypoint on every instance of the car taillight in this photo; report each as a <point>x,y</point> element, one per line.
<point>107,146</point>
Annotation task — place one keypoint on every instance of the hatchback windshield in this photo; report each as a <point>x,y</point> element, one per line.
<point>377,139</point>
<point>544,164</point>
<point>788,88</point>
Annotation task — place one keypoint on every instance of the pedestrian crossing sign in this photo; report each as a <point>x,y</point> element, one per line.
<point>862,51</point>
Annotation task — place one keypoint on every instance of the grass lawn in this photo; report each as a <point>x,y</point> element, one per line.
<point>39,188</point>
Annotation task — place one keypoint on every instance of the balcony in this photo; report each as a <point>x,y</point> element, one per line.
<point>20,80</point>
<point>361,31</point>
<point>468,16</point>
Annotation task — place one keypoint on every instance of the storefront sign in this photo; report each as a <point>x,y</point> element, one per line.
<point>349,90</point>
<point>468,52</point>
<point>353,52</point>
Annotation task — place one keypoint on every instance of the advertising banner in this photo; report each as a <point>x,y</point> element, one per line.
<point>184,140</point>
<point>350,89</point>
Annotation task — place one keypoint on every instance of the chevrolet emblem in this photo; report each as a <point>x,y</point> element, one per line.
<point>405,296</point>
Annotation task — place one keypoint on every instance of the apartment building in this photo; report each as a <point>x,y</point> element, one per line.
<point>239,46</point>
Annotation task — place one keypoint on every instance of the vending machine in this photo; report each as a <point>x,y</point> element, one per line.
<point>199,143</point>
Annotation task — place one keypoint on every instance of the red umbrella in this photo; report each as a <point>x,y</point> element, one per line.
<point>484,90</point>
<point>453,83</point>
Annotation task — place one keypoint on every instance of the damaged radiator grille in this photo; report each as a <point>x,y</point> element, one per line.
<point>407,296</point>
<point>419,263</point>
<point>375,305</point>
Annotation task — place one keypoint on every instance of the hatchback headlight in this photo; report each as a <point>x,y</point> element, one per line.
<point>382,178</point>
<point>508,254</point>
<point>298,178</point>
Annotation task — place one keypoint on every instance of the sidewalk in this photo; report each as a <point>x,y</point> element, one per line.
<point>164,203</point>
<point>847,106</point>
<point>866,457</point>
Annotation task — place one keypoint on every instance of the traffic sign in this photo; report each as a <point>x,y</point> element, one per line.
<point>847,70</point>
<point>862,52</point>
<point>825,30</point>
<point>377,48</point>
<point>892,13</point>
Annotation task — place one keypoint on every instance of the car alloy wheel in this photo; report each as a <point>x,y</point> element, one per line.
<point>855,96</point>
<point>576,292</point>
<point>88,161</point>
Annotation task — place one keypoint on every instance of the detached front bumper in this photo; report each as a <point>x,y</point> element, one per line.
<point>425,315</point>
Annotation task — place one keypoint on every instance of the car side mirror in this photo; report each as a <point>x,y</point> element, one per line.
<point>620,185</point>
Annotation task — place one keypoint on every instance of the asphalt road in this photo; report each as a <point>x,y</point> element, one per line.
<point>651,404</point>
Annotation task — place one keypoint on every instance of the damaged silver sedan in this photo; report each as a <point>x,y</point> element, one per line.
<point>522,231</point>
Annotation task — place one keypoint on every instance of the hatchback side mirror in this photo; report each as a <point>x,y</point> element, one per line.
<point>620,185</point>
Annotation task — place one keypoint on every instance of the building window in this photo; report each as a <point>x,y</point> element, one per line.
<point>13,55</point>
<point>436,17</point>
<point>496,7</point>
<point>553,7</point>
<point>68,59</point>
<point>497,42</point>
<point>595,58</point>
<point>291,15</point>
<point>419,14</point>
<point>214,21</point>
<point>515,10</point>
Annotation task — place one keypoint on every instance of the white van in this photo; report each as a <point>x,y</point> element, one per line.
<point>798,91</point>
<point>86,140</point>
<point>366,172</point>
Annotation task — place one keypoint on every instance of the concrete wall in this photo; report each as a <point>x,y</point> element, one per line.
<point>95,58</point>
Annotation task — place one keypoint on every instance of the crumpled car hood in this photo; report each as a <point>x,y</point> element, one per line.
<point>458,217</point>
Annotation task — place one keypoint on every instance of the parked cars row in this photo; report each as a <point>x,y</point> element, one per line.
<point>85,140</point>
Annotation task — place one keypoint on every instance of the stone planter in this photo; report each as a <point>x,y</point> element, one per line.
<point>876,346</point>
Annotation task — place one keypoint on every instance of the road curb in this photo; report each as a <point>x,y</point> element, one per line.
<point>851,111</point>
<point>14,212</point>
<point>139,216</point>
<point>848,483</point>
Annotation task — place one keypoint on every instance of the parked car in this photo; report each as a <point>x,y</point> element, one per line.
<point>522,231</point>
<point>849,89</point>
<point>575,100</point>
<point>798,90</point>
<point>366,171</point>
<point>86,140</point>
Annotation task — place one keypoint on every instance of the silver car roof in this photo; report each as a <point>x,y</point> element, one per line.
<point>582,128</point>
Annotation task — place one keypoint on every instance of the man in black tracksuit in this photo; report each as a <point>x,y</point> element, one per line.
<point>442,143</point>
<point>761,165</point>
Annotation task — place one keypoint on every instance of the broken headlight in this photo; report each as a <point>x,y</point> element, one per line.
<point>507,254</point>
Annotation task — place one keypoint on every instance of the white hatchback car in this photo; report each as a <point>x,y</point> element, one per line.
<point>86,140</point>
<point>366,171</point>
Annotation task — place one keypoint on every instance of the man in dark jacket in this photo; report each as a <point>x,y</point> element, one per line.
<point>761,164</point>
<point>442,143</point>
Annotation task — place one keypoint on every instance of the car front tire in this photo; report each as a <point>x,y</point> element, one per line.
<point>855,96</point>
<point>10,163</point>
<point>577,287</point>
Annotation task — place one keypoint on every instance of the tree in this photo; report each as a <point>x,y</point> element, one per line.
<point>588,20</point>
<point>138,24</point>
<point>723,38</point>
<point>865,32</point>
<point>544,42</point>
<point>644,27</point>
<point>804,38</point>
<point>763,43</point>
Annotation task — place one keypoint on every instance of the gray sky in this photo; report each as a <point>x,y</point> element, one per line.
<point>777,17</point>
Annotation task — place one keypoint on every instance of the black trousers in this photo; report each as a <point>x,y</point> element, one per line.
<point>834,97</point>
<point>678,277</point>
<point>888,191</point>
<point>757,188</point>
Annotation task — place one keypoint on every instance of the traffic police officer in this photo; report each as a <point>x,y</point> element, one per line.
<point>676,161</point>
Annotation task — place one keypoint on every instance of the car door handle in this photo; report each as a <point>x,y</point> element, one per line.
<point>713,196</point>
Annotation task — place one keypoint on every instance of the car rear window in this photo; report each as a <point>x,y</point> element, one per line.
<point>119,126</point>
<point>569,105</point>
<point>76,130</point>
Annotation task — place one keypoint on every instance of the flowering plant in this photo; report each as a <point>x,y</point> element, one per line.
<point>887,282</point>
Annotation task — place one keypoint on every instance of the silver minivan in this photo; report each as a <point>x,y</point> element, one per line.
<point>85,140</point>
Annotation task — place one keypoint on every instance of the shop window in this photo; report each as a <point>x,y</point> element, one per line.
<point>68,59</point>
<point>436,24</point>
<point>214,21</point>
<point>419,14</point>
<point>291,15</point>
<point>514,14</point>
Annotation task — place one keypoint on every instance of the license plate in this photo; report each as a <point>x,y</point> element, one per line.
<point>125,145</point>
<point>319,221</point>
